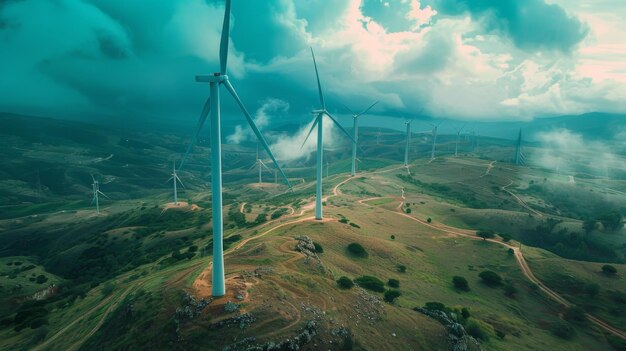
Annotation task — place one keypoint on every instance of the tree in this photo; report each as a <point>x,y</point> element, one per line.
<point>394,283</point>
<point>609,270</point>
<point>370,283</point>
<point>357,250</point>
<point>490,278</point>
<point>391,295</point>
<point>318,247</point>
<point>511,251</point>
<point>465,313</point>
<point>408,210</point>
<point>261,218</point>
<point>505,237</point>
<point>401,268</point>
<point>460,283</point>
<point>429,220</point>
<point>611,221</point>
<point>345,283</point>
<point>592,289</point>
<point>486,234</point>
<point>589,225</point>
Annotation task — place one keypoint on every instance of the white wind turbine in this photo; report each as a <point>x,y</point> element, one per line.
<point>355,133</point>
<point>260,165</point>
<point>456,145</point>
<point>408,141</point>
<point>95,186</point>
<point>212,108</point>
<point>435,128</point>
<point>175,179</point>
<point>319,119</point>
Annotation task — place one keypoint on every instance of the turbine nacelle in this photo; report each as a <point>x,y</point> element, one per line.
<point>215,78</point>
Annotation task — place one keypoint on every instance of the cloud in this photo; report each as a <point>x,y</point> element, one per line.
<point>532,24</point>
<point>261,119</point>
<point>288,148</point>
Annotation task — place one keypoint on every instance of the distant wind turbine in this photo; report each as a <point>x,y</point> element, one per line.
<point>319,119</point>
<point>519,156</point>
<point>408,142</point>
<point>212,108</point>
<point>261,165</point>
<point>435,128</point>
<point>95,186</point>
<point>175,179</point>
<point>458,137</point>
<point>355,131</point>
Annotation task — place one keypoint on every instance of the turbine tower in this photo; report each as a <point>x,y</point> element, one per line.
<point>95,186</point>
<point>435,128</point>
<point>408,141</point>
<point>212,108</point>
<point>355,131</point>
<point>456,146</point>
<point>519,156</point>
<point>260,164</point>
<point>319,119</point>
<point>175,178</point>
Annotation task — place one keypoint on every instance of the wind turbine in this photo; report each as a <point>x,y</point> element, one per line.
<point>355,121</point>
<point>320,112</point>
<point>519,156</point>
<point>260,164</point>
<point>212,108</point>
<point>175,178</point>
<point>456,146</point>
<point>408,141</point>
<point>95,186</point>
<point>435,128</point>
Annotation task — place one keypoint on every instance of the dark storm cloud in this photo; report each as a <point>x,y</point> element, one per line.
<point>531,24</point>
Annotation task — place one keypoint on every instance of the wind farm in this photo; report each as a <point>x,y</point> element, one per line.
<point>431,218</point>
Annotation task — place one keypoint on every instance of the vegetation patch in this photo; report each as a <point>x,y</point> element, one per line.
<point>357,250</point>
<point>370,283</point>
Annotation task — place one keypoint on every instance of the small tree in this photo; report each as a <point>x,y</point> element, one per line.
<point>357,250</point>
<point>608,269</point>
<point>370,283</point>
<point>490,278</point>
<point>345,283</point>
<point>465,313</point>
<point>401,268</point>
<point>511,251</point>
<point>460,283</point>
<point>393,237</point>
<point>391,295</point>
<point>318,247</point>
<point>486,234</point>
<point>429,220</point>
<point>394,283</point>
<point>408,210</point>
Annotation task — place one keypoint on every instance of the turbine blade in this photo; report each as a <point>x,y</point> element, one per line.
<point>256,131</point>
<point>181,182</point>
<point>367,109</point>
<point>92,178</point>
<point>225,38</point>
<point>310,130</point>
<point>340,127</point>
<point>167,181</point>
<point>319,85</point>
<point>103,194</point>
<point>352,112</point>
<point>264,166</point>
<point>194,138</point>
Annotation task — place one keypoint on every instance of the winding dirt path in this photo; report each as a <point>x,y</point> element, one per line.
<point>520,201</point>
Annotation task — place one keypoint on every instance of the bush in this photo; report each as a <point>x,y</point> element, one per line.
<point>345,283</point>
<point>391,295</point>
<point>318,247</point>
<point>505,237</point>
<point>490,278</point>
<point>370,283</point>
<point>608,269</point>
<point>592,289</point>
<point>575,314</point>
<point>408,210</point>
<point>357,250</point>
<point>465,313</point>
<point>486,234</point>
<point>41,279</point>
<point>460,283</point>
<point>511,252</point>
<point>343,220</point>
<point>393,237</point>
<point>394,283</point>
<point>563,330</point>
<point>355,225</point>
<point>429,220</point>
<point>401,268</point>
<point>510,290</point>
<point>435,306</point>
<point>475,329</point>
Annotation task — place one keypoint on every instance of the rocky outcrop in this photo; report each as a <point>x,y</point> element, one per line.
<point>458,339</point>
<point>307,248</point>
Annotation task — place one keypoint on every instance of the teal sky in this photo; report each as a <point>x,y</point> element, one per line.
<point>462,59</point>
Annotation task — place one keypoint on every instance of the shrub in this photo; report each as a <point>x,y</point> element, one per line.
<point>370,283</point>
<point>408,210</point>
<point>401,268</point>
<point>429,220</point>
<point>511,251</point>
<point>394,283</point>
<point>575,314</point>
<point>435,306</point>
<point>563,330</point>
<point>505,237</point>
<point>318,247</point>
<point>355,225</point>
<point>343,220</point>
<point>391,295</point>
<point>231,307</point>
<point>490,278</point>
<point>393,237</point>
<point>345,283</point>
<point>465,313</point>
<point>592,289</point>
<point>608,269</point>
<point>510,290</point>
<point>41,279</point>
<point>486,234</point>
<point>460,283</point>
<point>357,250</point>
<point>475,329</point>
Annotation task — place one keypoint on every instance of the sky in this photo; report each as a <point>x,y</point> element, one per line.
<point>470,60</point>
